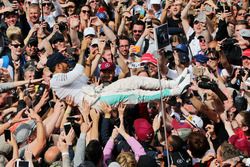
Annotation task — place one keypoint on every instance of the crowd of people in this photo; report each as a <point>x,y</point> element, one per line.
<point>83,83</point>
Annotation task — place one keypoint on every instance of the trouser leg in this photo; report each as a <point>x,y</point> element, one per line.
<point>131,97</point>
<point>136,82</point>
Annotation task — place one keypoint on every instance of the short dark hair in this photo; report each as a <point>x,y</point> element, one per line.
<point>139,22</point>
<point>122,38</point>
<point>228,151</point>
<point>16,37</point>
<point>198,144</point>
<point>177,143</point>
<point>94,152</point>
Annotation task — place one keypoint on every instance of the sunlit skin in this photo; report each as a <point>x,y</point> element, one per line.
<point>137,32</point>
<point>34,14</point>
<point>11,20</point>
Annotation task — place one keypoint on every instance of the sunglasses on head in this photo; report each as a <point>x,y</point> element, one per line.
<point>212,58</point>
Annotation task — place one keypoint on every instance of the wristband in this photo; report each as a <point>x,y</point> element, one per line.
<point>65,153</point>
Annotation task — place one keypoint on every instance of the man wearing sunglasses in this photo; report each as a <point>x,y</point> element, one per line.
<point>48,15</point>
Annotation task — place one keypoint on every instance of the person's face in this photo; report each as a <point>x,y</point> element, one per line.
<point>137,31</point>
<point>212,61</point>
<point>94,4</point>
<point>85,13</point>
<point>152,69</point>
<point>29,75</point>
<point>246,62</point>
<point>248,20</point>
<point>230,29</point>
<point>34,14</point>
<point>16,49</point>
<point>107,75</point>
<point>47,7</point>
<point>71,9</point>
<point>62,67</point>
<point>241,15</point>
<point>203,44</point>
<point>175,9</point>
<point>60,45</point>
<point>107,55</point>
<point>31,50</point>
<point>47,74</point>
<point>239,120</point>
<point>124,47</point>
<point>198,27</point>
<point>11,20</point>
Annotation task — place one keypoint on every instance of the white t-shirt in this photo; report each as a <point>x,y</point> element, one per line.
<point>194,44</point>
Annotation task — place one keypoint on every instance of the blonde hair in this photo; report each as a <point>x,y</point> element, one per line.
<point>126,159</point>
<point>13,30</point>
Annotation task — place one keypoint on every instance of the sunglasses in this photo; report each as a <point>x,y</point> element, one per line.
<point>59,40</point>
<point>86,11</point>
<point>17,45</point>
<point>245,58</point>
<point>212,58</point>
<point>241,14</point>
<point>202,40</point>
<point>140,31</point>
<point>93,1</point>
<point>48,4</point>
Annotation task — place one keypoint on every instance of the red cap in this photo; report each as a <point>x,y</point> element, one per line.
<point>149,58</point>
<point>143,130</point>
<point>107,66</point>
<point>246,53</point>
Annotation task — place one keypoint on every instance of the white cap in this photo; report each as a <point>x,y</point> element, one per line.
<point>155,1</point>
<point>245,33</point>
<point>89,31</point>
<point>195,121</point>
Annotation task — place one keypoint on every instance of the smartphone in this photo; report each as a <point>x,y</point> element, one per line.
<point>7,135</point>
<point>22,163</point>
<point>67,127</point>
<point>72,118</point>
<point>52,104</point>
<point>149,23</point>
<point>135,49</point>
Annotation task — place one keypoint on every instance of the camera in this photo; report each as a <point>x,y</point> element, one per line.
<point>228,43</point>
<point>63,26</point>
<point>149,23</point>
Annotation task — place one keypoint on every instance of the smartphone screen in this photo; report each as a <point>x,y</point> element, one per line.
<point>7,135</point>
<point>67,127</point>
<point>21,163</point>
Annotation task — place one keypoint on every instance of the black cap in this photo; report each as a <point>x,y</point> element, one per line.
<point>55,59</point>
<point>56,37</point>
<point>13,12</point>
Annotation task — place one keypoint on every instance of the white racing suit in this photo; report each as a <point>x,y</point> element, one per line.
<point>131,90</point>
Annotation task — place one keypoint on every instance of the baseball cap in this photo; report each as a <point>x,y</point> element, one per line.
<point>105,66</point>
<point>201,58</point>
<point>245,33</point>
<point>182,48</point>
<point>24,130</point>
<point>89,31</point>
<point>143,129</point>
<point>155,2</point>
<point>149,58</point>
<point>195,120</point>
<point>55,59</point>
<point>56,38</point>
<point>246,53</point>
